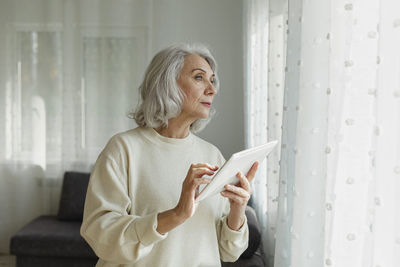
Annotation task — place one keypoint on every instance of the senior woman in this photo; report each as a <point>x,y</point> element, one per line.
<point>141,207</point>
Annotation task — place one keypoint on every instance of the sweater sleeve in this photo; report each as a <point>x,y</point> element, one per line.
<point>231,243</point>
<point>114,234</point>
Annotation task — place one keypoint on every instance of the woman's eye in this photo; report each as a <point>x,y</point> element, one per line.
<point>200,78</point>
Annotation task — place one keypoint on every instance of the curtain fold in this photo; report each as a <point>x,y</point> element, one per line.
<point>256,104</point>
<point>303,163</point>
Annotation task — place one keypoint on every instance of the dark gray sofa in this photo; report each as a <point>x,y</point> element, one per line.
<point>54,240</point>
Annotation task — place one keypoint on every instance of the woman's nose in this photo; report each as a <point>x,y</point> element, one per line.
<point>211,89</point>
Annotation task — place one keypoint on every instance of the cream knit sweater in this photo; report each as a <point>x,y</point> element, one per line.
<point>140,174</point>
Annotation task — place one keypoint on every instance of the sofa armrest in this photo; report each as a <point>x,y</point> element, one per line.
<point>254,233</point>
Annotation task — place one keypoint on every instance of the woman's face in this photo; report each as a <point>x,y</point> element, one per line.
<point>197,81</point>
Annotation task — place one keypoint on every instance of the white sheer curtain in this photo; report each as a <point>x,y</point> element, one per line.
<point>70,73</point>
<point>264,68</point>
<point>340,147</point>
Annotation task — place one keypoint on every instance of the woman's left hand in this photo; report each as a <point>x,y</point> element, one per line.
<point>239,194</point>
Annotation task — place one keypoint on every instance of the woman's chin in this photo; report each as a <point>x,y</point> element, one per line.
<point>201,115</point>
<point>205,116</point>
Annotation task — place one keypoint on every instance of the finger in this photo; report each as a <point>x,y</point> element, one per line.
<point>237,190</point>
<point>252,172</point>
<point>199,172</point>
<point>243,181</point>
<point>199,181</point>
<point>209,166</point>
<point>235,198</point>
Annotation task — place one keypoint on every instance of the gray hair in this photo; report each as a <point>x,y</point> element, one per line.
<point>161,97</point>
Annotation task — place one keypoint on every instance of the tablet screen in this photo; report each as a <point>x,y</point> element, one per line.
<point>240,161</point>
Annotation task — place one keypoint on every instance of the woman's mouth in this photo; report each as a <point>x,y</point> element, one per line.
<point>206,104</point>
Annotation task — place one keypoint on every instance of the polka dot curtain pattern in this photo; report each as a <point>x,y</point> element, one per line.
<point>329,196</point>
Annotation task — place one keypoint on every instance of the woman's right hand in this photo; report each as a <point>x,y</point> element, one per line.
<point>187,204</point>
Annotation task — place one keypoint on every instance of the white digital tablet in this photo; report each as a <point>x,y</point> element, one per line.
<point>240,161</point>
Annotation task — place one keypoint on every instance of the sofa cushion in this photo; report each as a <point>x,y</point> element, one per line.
<point>33,261</point>
<point>73,194</point>
<point>47,236</point>
<point>254,233</point>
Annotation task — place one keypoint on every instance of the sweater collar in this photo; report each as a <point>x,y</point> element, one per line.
<point>153,135</point>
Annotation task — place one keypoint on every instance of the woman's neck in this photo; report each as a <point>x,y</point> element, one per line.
<point>175,129</point>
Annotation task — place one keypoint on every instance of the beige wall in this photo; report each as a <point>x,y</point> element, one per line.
<point>219,24</point>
